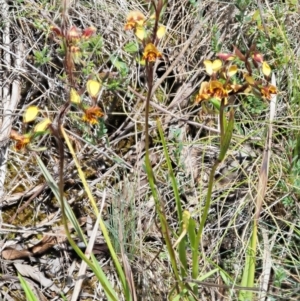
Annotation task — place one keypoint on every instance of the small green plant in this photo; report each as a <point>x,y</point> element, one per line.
<point>42,57</point>
<point>280,276</point>
<point>215,44</point>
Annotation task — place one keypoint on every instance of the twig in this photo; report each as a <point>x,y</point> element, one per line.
<point>260,9</point>
<point>267,265</point>
<point>88,251</point>
<point>36,193</point>
<point>263,175</point>
<point>179,57</point>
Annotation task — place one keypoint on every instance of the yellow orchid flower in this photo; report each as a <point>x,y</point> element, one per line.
<point>151,53</point>
<point>267,91</point>
<point>212,89</point>
<point>91,115</point>
<point>134,18</point>
<point>217,90</point>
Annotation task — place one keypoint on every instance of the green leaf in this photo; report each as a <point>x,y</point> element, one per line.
<point>225,141</point>
<point>42,126</point>
<point>119,64</point>
<point>131,47</point>
<point>216,103</point>
<point>28,291</point>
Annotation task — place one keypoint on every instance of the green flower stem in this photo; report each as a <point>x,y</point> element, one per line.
<point>158,205</point>
<point>225,138</point>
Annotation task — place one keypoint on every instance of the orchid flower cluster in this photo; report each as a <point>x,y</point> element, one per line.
<point>91,116</point>
<point>224,80</point>
<point>71,41</point>
<point>25,140</point>
<point>147,31</point>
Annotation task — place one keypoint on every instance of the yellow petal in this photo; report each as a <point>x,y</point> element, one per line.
<point>249,79</point>
<point>30,114</point>
<point>232,70</point>
<point>216,65</point>
<point>42,126</point>
<point>208,67</point>
<point>74,96</point>
<point>93,87</point>
<point>266,69</point>
<point>215,84</point>
<point>140,32</point>
<point>161,32</point>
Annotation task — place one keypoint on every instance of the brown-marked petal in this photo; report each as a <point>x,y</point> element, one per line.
<point>23,142</point>
<point>217,90</point>
<point>15,135</point>
<point>151,53</point>
<point>133,19</point>
<point>92,114</point>
<point>225,56</point>
<point>268,91</point>
<point>258,57</point>
<point>88,32</point>
<point>203,92</point>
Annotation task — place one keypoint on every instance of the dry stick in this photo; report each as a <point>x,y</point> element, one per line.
<point>260,9</point>
<point>179,57</point>
<point>26,204</point>
<point>166,111</point>
<point>267,265</point>
<point>262,187</point>
<point>193,123</point>
<point>88,251</point>
<point>18,67</point>
<point>14,198</point>
<point>263,175</point>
